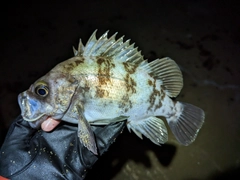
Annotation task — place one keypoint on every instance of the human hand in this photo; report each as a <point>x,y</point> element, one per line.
<point>28,153</point>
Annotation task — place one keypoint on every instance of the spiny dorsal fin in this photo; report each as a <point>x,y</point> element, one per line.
<point>80,49</point>
<point>117,49</point>
<point>168,72</point>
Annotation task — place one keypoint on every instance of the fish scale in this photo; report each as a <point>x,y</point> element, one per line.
<point>107,81</point>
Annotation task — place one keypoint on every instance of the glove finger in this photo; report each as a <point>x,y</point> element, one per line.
<point>16,149</point>
<point>19,129</point>
<point>107,135</point>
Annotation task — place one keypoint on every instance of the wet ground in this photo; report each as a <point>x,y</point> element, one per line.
<point>201,36</point>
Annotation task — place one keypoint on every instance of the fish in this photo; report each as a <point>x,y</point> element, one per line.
<point>106,81</point>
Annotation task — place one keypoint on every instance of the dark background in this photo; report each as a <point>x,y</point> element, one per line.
<point>201,36</point>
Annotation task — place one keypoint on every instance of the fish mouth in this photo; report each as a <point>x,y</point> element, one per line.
<point>30,107</point>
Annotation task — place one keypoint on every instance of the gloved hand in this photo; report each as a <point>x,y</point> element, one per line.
<point>35,154</point>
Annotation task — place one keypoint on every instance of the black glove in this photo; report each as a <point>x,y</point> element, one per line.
<point>34,154</point>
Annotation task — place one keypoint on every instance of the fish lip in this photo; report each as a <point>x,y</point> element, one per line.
<point>35,119</point>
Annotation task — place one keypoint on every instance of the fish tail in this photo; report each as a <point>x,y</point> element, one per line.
<point>186,122</point>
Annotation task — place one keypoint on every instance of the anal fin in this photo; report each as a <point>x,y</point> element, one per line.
<point>151,127</point>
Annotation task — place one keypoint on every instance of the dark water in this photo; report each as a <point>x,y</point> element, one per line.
<point>201,36</point>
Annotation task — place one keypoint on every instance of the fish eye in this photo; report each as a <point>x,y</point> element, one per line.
<point>41,90</point>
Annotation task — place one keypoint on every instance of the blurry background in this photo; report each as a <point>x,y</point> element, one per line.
<point>201,36</point>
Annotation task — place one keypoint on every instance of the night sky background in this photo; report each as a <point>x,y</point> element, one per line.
<point>201,36</point>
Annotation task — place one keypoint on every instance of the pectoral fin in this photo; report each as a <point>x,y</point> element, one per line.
<point>85,133</point>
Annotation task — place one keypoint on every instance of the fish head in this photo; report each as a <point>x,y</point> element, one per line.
<point>49,96</point>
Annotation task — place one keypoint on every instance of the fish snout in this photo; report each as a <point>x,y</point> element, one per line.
<point>30,107</point>
<point>21,99</point>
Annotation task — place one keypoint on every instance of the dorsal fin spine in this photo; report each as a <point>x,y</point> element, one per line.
<point>114,46</point>
<point>131,54</point>
<point>106,45</point>
<point>122,52</point>
<point>129,49</point>
<point>80,49</point>
<point>120,49</point>
<point>92,39</point>
<point>75,52</point>
<point>99,44</point>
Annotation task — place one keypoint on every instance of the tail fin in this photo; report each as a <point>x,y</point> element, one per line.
<point>186,123</point>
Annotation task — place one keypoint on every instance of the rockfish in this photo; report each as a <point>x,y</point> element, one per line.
<point>107,81</point>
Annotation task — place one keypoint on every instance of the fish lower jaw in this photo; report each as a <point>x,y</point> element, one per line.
<point>31,120</point>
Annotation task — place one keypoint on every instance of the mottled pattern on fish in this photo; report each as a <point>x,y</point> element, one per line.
<point>107,81</point>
